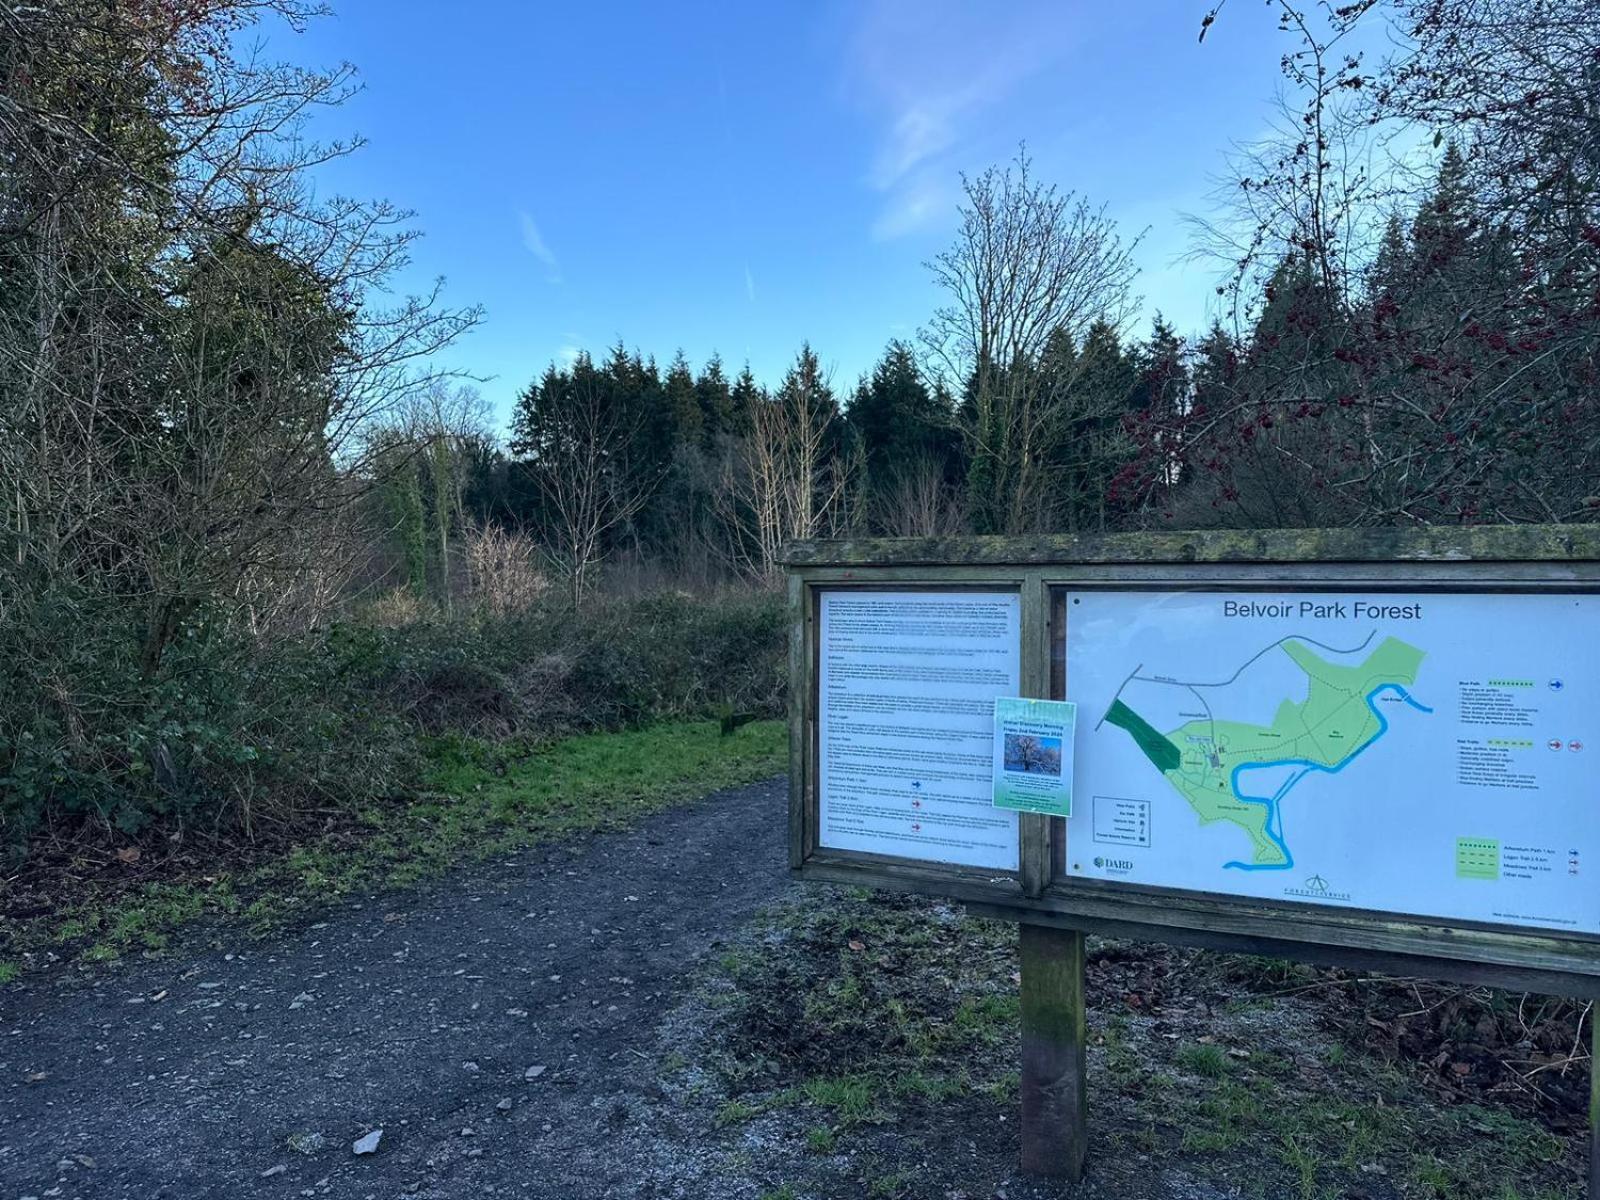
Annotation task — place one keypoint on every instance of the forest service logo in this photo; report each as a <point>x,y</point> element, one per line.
<point>1316,888</point>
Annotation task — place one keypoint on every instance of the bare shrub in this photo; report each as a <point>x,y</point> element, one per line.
<point>919,501</point>
<point>503,576</point>
<point>396,609</point>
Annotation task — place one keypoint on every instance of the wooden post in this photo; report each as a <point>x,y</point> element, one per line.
<point>1054,1121</point>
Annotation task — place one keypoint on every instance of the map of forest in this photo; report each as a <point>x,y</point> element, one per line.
<point>1240,771</point>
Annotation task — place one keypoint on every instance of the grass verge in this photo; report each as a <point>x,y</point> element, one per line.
<point>476,800</point>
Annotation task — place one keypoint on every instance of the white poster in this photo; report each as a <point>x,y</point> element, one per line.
<point>1422,754</point>
<point>906,687</point>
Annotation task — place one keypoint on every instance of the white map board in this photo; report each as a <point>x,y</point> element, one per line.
<point>1428,754</point>
<point>906,684</point>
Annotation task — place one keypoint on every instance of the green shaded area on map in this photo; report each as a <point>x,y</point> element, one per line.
<point>1477,858</point>
<point>1332,724</point>
<point>1151,740</point>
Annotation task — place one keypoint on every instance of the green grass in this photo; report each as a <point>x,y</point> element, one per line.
<point>863,1008</point>
<point>1318,1140</point>
<point>735,1112</point>
<point>892,1186</point>
<point>852,1098</point>
<point>1225,1118</point>
<point>1205,1060</point>
<point>990,1019</point>
<point>475,801</point>
<point>820,1140</point>
<point>1302,1160</point>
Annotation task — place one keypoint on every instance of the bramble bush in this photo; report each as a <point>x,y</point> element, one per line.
<point>548,670</point>
<point>236,737</point>
<point>231,736</point>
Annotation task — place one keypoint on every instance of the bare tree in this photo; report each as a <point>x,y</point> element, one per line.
<point>192,345</point>
<point>581,449</point>
<point>1029,262</point>
<point>783,482</point>
<point>1315,185</point>
<point>919,501</point>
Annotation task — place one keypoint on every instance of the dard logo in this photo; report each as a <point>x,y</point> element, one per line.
<point>1113,864</point>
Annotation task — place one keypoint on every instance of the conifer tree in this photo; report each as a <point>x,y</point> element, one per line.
<point>742,399</point>
<point>683,404</point>
<point>715,400</point>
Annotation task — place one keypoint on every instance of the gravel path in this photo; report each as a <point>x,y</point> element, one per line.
<point>494,1026</point>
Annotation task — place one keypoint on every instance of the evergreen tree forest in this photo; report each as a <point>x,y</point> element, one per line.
<point>1443,384</point>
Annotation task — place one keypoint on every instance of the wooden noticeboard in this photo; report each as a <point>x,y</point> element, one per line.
<point>1365,748</point>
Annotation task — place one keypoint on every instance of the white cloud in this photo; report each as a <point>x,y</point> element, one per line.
<point>534,242</point>
<point>936,72</point>
<point>924,202</point>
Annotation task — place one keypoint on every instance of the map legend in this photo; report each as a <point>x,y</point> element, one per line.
<point>1477,858</point>
<point>1122,822</point>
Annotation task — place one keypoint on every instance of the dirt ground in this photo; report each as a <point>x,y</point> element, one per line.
<point>663,1013</point>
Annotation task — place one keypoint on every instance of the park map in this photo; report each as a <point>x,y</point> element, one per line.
<point>1426,755</point>
<point>1338,719</point>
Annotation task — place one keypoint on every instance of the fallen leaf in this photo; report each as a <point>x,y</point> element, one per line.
<point>128,854</point>
<point>855,945</point>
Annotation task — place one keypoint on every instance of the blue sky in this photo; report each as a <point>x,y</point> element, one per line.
<point>741,178</point>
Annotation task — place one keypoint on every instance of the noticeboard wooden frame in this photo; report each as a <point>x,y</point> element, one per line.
<point>1491,559</point>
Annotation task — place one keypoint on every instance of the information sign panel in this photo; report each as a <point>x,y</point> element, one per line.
<point>1367,747</point>
<point>906,685</point>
